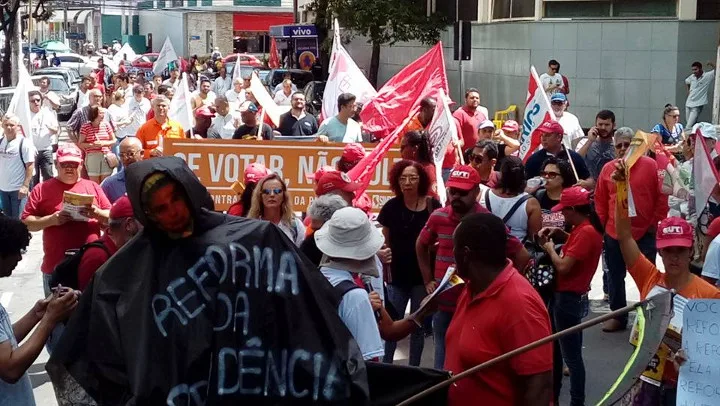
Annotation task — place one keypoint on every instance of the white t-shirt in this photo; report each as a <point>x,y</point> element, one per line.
<point>174,85</point>
<point>278,88</point>
<point>220,85</point>
<point>296,233</point>
<point>40,124</point>
<point>12,170</point>
<point>699,88</point>
<point>571,125</point>
<point>235,97</point>
<point>711,267</point>
<point>339,132</point>
<point>281,99</point>
<point>83,99</point>
<point>225,126</point>
<point>138,111</point>
<point>548,80</point>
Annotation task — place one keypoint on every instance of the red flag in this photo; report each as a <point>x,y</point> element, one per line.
<point>537,111</point>
<point>422,78</point>
<point>274,61</point>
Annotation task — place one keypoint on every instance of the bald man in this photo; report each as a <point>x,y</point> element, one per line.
<point>80,116</point>
<point>131,151</point>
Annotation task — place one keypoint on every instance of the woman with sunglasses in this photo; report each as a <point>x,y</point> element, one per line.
<point>402,218</point>
<point>96,138</point>
<point>670,129</point>
<point>272,202</point>
<point>508,200</point>
<point>574,269</point>
<point>558,176</point>
<point>415,146</point>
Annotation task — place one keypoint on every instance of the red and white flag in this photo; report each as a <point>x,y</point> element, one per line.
<point>441,132</point>
<point>274,60</point>
<point>344,77</point>
<point>704,173</point>
<point>537,111</point>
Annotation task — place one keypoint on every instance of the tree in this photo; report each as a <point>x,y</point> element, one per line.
<point>10,17</point>
<point>385,22</point>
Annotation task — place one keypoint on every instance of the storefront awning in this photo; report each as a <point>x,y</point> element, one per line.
<point>59,16</point>
<point>260,21</point>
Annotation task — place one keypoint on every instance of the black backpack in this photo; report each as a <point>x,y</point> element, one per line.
<point>66,272</point>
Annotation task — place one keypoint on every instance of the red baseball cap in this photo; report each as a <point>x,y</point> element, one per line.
<point>511,126</point>
<point>463,177</point>
<point>320,172</point>
<point>572,197</point>
<point>121,209</point>
<point>353,152</point>
<point>69,153</point>
<point>551,127</point>
<point>204,111</point>
<point>674,232</point>
<point>254,172</point>
<point>335,180</point>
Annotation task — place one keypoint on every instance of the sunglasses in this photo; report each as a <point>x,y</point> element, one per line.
<point>69,165</point>
<point>35,100</point>
<point>549,174</point>
<point>622,145</point>
<point>477,159</point>
<point>272,191</point>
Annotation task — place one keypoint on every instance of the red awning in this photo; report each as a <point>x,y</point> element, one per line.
<point>260,21</point>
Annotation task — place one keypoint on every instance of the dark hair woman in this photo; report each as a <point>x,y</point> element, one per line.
<point>402,218</point>
<point>415,146</point>
<point>558,176</point>
<point>574,268</point>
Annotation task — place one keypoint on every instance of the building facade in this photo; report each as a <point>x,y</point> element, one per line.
<point>628,56</point>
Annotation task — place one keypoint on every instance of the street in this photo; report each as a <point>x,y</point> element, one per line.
<point>605,354</point>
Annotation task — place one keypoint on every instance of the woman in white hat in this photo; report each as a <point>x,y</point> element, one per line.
<point>350,243</point>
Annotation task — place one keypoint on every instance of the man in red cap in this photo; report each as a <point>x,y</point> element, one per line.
<point>62,231</point>
<point>338,183</point>
<point>551,138</point>
<point>507,140</point>
<point>351,156</point>
<point>203,120</point>
<point>462,192</point>
<point>122,227</point>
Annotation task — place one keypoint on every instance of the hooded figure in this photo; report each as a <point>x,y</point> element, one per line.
<point>205,308</point>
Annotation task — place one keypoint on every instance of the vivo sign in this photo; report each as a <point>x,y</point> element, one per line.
<point>308,30</point>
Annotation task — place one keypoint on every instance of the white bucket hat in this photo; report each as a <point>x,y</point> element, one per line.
<point>707,130</point>
<point>349,235</point>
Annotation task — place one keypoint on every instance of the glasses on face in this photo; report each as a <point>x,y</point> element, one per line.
<point>69,165</point>
<point>622,145</point>
<point>35,100</point>
<point>458,192</point>
<point>409,179</point>
<point>276,191</point>
<point>477,159</point>
<point>674,115</point>
<point>549,174</point>
<point>128,154</point>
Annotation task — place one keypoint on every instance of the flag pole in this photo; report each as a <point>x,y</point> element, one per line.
<point>531,346</point>
<point>572,164</point>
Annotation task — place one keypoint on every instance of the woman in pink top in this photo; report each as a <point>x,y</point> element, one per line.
<point>96,139</point>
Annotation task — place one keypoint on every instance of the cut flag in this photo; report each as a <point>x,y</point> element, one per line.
<point>180,109</point>
<point>270,108</point>
<point>537,111</point>
<point>394,101</point>
<point>344,77</point>
<point>20,103</point>
<point>166,58</point>
<point>705,176</point>
<point>274,60</point>
<point>441,131</point>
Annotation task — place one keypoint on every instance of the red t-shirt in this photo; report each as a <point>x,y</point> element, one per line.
<point>584,244</point>
<point>430,170</point>
<point>483,328</point>
<point>450,155</point>
<point>46,199</point>
<point>236,209</point>
<point>92,260</point>
<point>713,229</point>
<point>469,121</point>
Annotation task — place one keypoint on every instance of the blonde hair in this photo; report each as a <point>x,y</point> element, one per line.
<point>257,209</point>
<point>118,95</point>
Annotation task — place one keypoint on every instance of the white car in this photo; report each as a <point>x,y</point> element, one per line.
<point>84,66</point>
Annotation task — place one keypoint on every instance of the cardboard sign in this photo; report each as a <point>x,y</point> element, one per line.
<point>698,383</point>
<point>219,163</point>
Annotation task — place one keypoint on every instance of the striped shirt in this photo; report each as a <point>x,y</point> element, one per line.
<point>91,134</point>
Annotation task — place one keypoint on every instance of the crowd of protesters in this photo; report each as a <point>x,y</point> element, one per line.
<point>500,213</point>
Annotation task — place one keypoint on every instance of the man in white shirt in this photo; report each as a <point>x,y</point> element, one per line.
<point>236,95</point>
<point>17,157</point>
<point>46,92</point>
<point>222,82</point>
<point>138,107</point>
<point>567,120</point>
<point>174,80</point>
<point>43,130</point>
<point>88,82</point>
<point>552,81</point>
<point>698,85</point>
<point>225,123</point>
<point>341,128</point>
<point>284,97</point>
<point>286,76</point>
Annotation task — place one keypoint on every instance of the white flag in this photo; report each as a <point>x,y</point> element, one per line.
<point>180,109</point>
<point>125,51</point>
<point>167,56</point>
<point>236,71</point>
<point>441,131</point>
<point>266,101</point>
<point>537,111</point>
<point>344,77</point>
<point>20,103</point>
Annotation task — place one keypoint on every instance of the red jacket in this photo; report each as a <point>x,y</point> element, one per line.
<point>651,204</point>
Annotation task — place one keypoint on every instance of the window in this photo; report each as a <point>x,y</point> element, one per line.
<point>513,9</point>
<point>177,3</point>
<point>611,8</point>
<point>708,10</point>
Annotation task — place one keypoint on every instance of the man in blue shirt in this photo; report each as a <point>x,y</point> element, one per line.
<point>342,128</point>
<point>131,151</point>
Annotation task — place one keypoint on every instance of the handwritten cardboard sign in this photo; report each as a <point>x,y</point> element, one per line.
<point>699,381</point>
<point>219,163</point>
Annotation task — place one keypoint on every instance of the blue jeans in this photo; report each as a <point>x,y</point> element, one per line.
<point>60,327</point>
<point>567,310</point>
<point>617,269</point>
<point>44,164</point>
<point>116,150</point>
<point>691,115</point>
<point>11,204</point>
<point>399,297</point>
<point>441,322</point>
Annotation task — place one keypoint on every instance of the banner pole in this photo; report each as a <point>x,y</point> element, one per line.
<point>528,347</point>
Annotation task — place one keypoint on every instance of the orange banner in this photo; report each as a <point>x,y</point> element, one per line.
<point>219,163</point>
